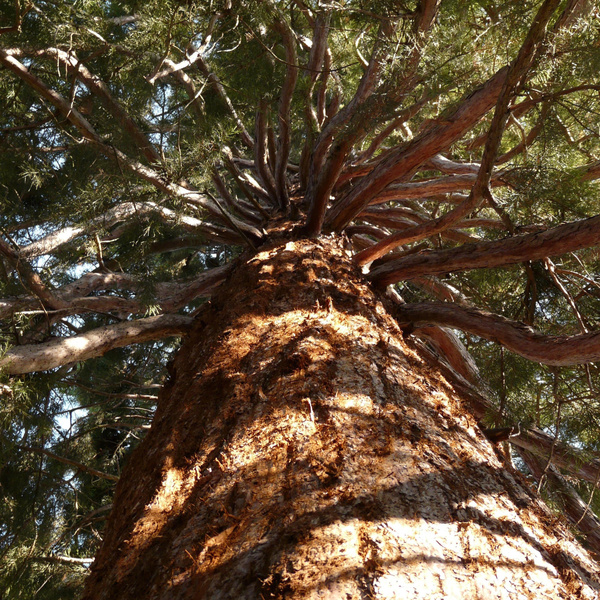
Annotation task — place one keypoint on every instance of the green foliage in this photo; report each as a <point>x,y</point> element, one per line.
<point>93,414</point>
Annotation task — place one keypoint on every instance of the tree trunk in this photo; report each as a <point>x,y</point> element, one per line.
<point>302,448</point>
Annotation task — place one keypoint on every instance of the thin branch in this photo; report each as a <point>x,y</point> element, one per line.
<point>216,84</point>
<point>68,461</point>
<point>550,267</point>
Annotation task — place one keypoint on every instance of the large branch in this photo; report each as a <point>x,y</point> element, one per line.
<point>341,133</point>
<point>516,72</point>
<point>119,213</point>
<point>284,117</point>
<point>574,461</point>
<point>75,299</point>
<point>424,189</point>
<point>63,351</point>
<point>519,338</point>
<point>365,108</point>
<point>405,160</point>
<point>533,246</point>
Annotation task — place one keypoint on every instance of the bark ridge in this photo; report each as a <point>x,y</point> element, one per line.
<point>304,449</point>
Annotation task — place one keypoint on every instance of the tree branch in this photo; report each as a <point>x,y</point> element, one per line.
<point>517,70</point>
<point>402,162</point>
<point>169,296</point>
<point>68,461</point>
<point>515,336</point>
<point>62,351</point>
<point>29,278</point>
<point>85,128</point>
<point>534,246</point>
<point>563,456</point>
<point>567,498</point>
<point>285,102</point>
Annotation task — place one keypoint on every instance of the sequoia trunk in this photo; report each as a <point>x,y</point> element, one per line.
<point>302,448</point>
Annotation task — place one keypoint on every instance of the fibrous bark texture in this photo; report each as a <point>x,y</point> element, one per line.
<point>303,449</point>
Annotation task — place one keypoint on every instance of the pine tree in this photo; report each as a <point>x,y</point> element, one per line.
<point>314,283</point>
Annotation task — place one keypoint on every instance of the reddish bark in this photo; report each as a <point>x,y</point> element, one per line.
<point>302,449</point>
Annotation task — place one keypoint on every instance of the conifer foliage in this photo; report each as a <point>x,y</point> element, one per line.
<point>146,145</point>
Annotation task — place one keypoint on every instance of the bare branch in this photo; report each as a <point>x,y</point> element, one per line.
<point>405,160</point>
<point>285,102</point>
<point>64,560</point>
<point>517,337</point>
<point>186,81</point>
<point>63,351</point>
<point>533,246</point>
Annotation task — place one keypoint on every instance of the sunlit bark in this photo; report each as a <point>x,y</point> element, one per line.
<point>304,449</point>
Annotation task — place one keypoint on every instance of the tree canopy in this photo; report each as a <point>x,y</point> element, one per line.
<point>146,145</point>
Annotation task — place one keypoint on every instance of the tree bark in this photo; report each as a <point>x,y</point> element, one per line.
<point>303,449</point>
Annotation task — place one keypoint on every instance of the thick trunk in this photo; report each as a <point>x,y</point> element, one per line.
<point>303,449</point>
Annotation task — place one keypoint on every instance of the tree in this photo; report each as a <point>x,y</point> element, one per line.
<point>312,196</point>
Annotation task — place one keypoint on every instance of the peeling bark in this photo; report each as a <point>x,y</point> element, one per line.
<point>304,449</point>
